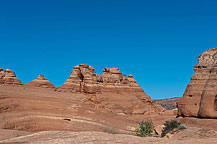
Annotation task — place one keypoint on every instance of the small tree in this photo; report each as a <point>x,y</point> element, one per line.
<point>145,129</point>
<point>171,125</point>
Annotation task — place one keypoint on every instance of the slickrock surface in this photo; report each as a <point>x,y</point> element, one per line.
<point>38,109</point>
<point>41,81</point>
<point>7,134</point>
<point>209,124</point>
<point>188,136</point>
<point>8,77</point>
<point>200,97</point>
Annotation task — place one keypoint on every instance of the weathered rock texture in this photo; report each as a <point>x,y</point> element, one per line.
<point>112,90</point>
<point>110,102</point>
<point>41,81</point>
<point>8,77</point>
<point>84,79</point>
<point>200,97</point>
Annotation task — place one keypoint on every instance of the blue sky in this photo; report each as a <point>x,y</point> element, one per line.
<point>156,41</point>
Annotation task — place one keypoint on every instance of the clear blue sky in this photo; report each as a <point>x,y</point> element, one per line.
<point>157,41</point>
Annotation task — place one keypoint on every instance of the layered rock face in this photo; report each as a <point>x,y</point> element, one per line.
<point>113,78</point>
<point>85,102</point>
<point>8,77</point>
<point>41,81</point>
<point>200,97</point>
<point>82,79</point>
<point>112,90</point>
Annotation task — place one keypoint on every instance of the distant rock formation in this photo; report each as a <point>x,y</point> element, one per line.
<point>8,77</point>
<point>112,90</point>
<point>168,104</point>
<point>41,81</point>
<point>84,79</point>
<point>200,97</point>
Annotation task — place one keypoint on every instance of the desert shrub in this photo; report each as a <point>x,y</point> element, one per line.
<point>181,126</point>
<point>171,125</point>
<point>145,129</point>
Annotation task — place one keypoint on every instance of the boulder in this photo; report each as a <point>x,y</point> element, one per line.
<point>158,129</point>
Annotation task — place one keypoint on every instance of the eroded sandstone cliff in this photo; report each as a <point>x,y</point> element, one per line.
<point>86,101</point>
<point>111,91</point>
<point>84,79</point>
<point>200,97</point>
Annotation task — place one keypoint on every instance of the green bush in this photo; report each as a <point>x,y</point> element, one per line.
<point>181,126</point>
<point>171,125</point>
<point>145,129</point>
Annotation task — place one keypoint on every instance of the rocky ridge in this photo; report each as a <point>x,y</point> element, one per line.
<point>84,79</point>
<point>111,91</point>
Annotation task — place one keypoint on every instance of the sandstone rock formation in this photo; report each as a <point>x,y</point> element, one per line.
<point>113,80</point>
<point>8,77</point>
<point>107,102</point>
<point>82,79</point>
<point>112,90</point>
<point>200,97</point>
<point>41,81</point>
